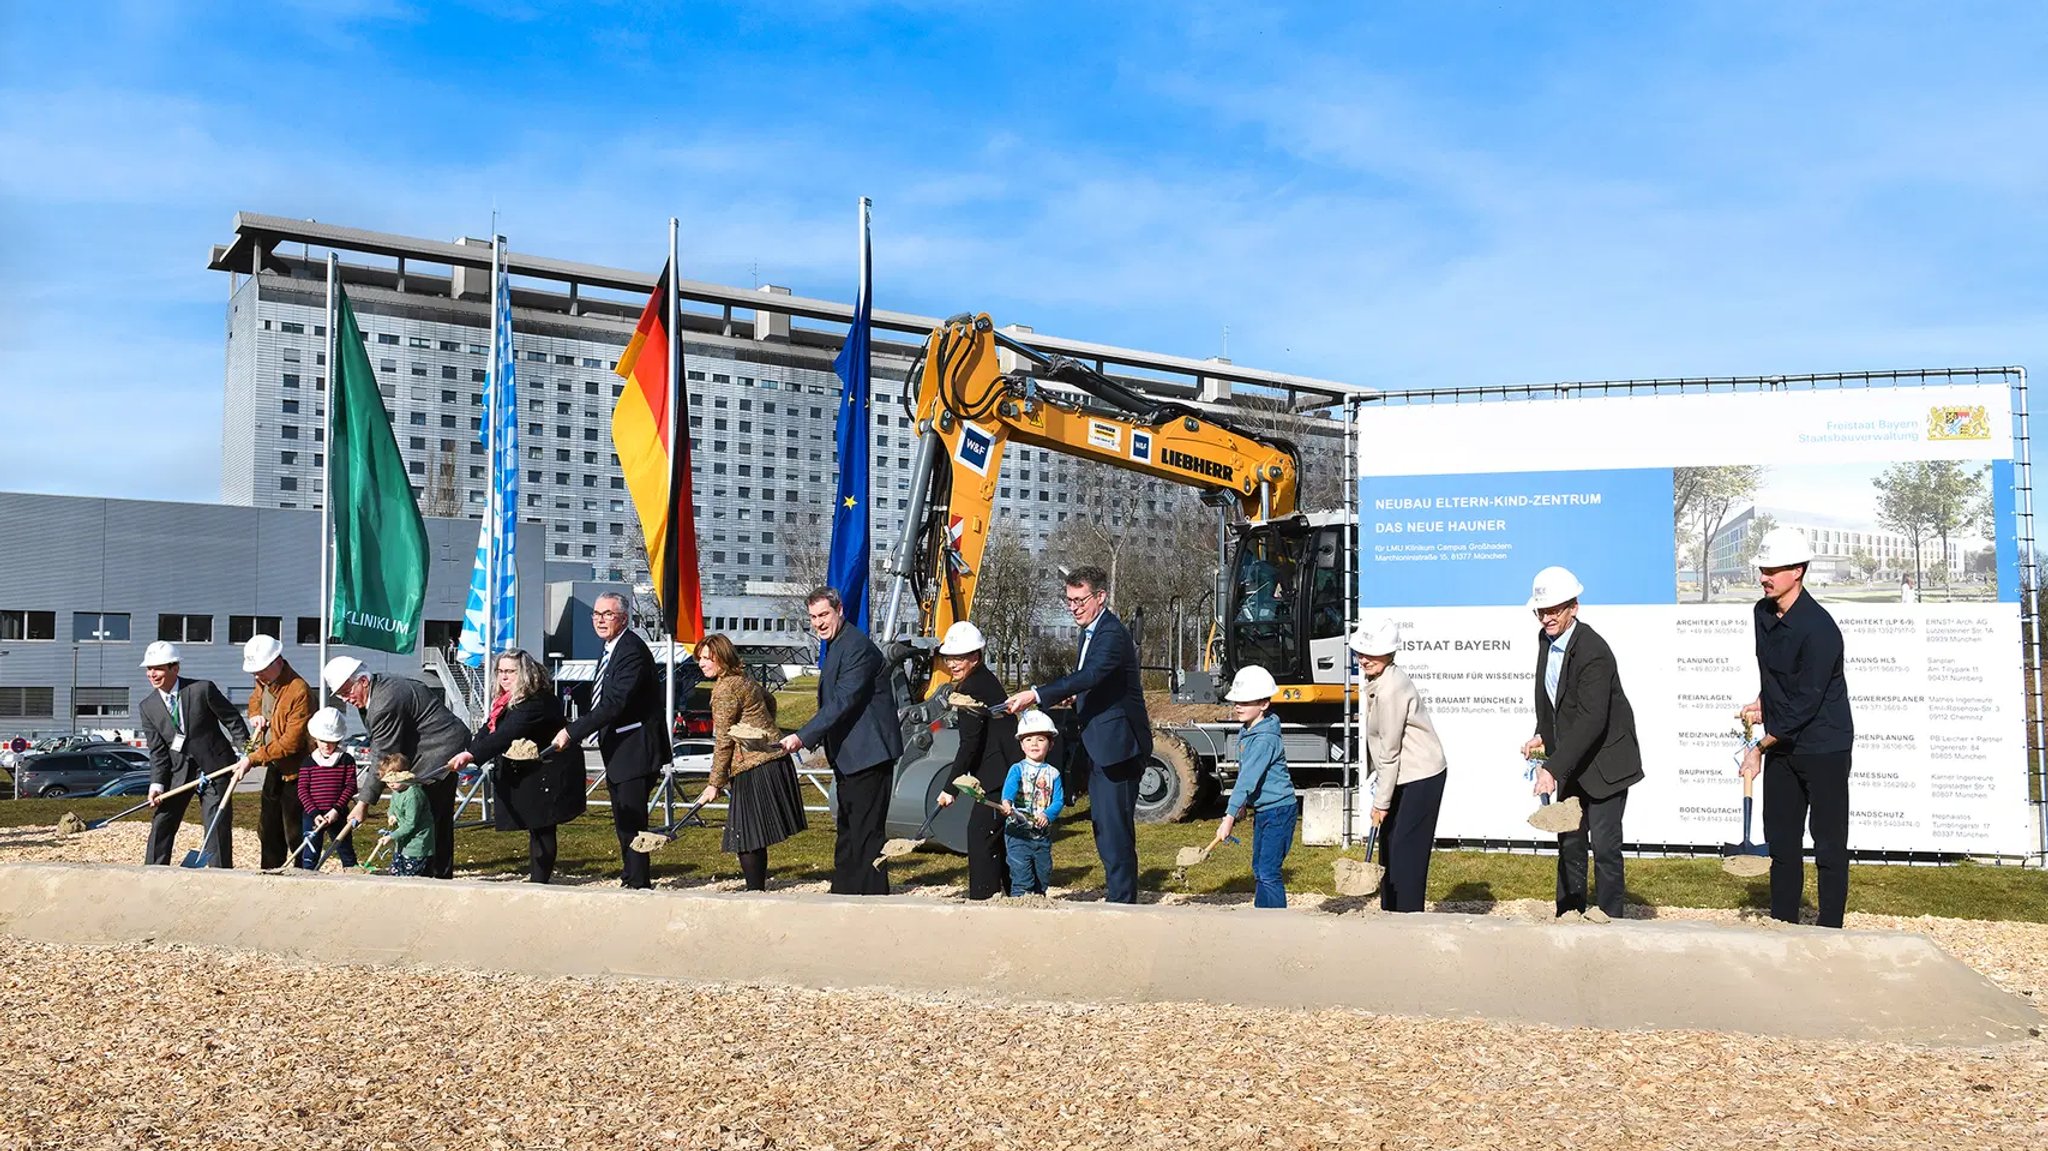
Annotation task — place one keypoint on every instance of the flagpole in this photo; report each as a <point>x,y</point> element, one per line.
<point>327,478</point>
<point>491,510</point>
<point>670,551</point>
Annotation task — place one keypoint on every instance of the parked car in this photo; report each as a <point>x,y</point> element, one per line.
<point>57,774</point>
<point>133,783</point>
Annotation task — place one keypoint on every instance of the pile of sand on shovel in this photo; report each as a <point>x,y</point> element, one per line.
<point>1560,817</point>
<point>70,824</point>
<point>1747,866</point>
<point>1357,877</point>
<point>754,738</point>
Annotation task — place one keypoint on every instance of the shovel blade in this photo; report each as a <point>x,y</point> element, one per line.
<point>648,842</point>
<point>197,859</point>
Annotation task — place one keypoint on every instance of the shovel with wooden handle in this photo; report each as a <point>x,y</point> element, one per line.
<point>204,856</point>
<point>1747,860</point>
<point>78,824</point>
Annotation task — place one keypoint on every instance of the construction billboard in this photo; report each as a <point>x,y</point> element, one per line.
<point>1657,501</point>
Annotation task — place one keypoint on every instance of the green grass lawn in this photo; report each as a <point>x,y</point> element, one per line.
<point>1965,891</point>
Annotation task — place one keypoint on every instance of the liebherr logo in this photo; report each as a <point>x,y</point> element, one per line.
<point>1174,458</point>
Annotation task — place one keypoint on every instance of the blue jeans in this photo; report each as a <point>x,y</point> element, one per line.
<point>1272,835</point>
<point>346,849</point>
<point>1030,859</point>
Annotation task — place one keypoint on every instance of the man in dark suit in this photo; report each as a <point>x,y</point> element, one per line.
<point>857,725</point>
<point>1116,732</point>
<point>1587,732</point>
<point>405,717</point>
<point>627,711</point>
<point>192,730</point>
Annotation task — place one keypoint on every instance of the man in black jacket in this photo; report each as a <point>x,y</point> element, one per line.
<point>189,724</point>
<point>1587,731</point>
<point>857,724</point>
<point>405,717</point>
<point>1808,732</point>
<point>626,710</point>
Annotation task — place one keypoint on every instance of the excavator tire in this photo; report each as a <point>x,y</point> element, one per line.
<point>1171,781</point>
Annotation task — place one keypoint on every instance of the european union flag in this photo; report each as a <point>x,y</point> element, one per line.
<point>847,568</point>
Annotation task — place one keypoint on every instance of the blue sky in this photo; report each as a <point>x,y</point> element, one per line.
<point>1389,194</point>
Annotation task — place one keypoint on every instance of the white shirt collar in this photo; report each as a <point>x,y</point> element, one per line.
<point>1564,641</point>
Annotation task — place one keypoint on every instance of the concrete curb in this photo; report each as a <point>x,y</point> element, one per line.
<point>1796,982</point>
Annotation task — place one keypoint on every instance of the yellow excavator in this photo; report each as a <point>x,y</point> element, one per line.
<point>1284,607</point>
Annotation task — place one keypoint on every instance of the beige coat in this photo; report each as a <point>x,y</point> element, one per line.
<point>1399,737</point>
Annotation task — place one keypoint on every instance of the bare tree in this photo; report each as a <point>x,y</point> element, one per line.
<point>442,496</point>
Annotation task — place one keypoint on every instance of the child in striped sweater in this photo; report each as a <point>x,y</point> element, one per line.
<point>327,786</point>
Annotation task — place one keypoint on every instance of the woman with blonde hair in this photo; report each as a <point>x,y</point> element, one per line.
<point>764,805</point>
<point>537,788</point>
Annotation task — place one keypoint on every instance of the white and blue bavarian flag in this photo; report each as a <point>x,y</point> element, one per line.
<point>497,534</point>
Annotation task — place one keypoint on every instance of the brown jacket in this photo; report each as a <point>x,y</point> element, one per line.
<point>737,699</point>
<point>285,706</point>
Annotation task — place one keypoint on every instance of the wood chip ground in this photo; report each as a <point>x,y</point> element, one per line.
<point>157,1047</point>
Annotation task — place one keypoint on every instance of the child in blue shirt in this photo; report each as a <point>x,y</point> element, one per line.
<point>1032,798</point>
<point>1263,785</point>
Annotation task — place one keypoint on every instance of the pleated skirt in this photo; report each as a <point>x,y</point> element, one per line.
<point>766,806</point>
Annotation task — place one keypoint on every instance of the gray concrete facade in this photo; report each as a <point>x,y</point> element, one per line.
<point>89,583</point>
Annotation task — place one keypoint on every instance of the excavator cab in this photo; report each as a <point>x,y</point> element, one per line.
<point>1286,605</point>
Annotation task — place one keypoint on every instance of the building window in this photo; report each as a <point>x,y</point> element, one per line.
<point>100,702</point>
<point>241,628</point>
<point>289,431</point>
<point>287,483</point>
<point>387,337</point>
<point>28,625</point>
<point>28,702</point>
<point>442,633</point>
<point>308,633</point>
<point>291,380</point>
<point>288,458</point>
<point>99,627</point>
<point>417,419</point>
<point>185,628</point>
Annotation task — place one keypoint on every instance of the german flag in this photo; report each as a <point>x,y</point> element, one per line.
<point>658,478</point>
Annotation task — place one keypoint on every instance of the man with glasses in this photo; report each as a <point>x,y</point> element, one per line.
<point>627,714</point>
<point>1116,732</point>
<point>1586,732</point>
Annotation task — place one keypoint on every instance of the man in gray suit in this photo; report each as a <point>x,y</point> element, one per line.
<point>856,722</point>
<point>406,717</point>
<point>192,730</point>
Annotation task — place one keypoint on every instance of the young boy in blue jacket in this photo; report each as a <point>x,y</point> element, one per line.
<point>1263,785</point>
<point>1032,798</point>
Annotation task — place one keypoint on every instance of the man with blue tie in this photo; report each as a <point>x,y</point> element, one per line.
<point>1587,733</point>
<point>1109,703</point>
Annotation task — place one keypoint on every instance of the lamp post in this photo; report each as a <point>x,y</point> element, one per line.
<point>74,686</point>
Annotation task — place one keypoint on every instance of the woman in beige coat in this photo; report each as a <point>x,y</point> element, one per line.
<point>1408,766</point>
<point>764,803</point>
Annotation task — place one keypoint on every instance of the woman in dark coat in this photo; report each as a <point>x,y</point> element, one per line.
<point>536,786</point>
<point>764,801</point>
<point>988,746</point>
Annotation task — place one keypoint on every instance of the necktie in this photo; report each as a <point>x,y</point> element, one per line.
<point>1552,669</point>
<point>177,712</point>
<point>1087,633</point>
<point>597,691</point>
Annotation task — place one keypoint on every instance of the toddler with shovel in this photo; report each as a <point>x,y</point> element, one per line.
<point>1032,798</point>
<point>327,787</point>
<point>412,826</point>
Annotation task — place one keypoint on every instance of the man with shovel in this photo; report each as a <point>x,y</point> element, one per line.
<point>856,724</point>
<point>279,710</point>
<point>192,729</point>
<point>1808,732</point>
<point>1586,736</point>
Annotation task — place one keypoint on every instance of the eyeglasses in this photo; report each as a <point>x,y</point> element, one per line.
<point>605,614</point>
<point>1560,609</point>
<point>1078,600</point>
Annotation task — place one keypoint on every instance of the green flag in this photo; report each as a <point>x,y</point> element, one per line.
<point>380,541</point>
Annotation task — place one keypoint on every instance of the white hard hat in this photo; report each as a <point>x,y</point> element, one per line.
<point>1379,638</point>
<point>260,652</point>
<point>340,670</point>
<point>1783,548</point>
<point>962,638</point>
<point>325,725</point>
<point>1554,586</point>
<point>1035,722</point>
<point>160,653</point>
<point>1252,684</point>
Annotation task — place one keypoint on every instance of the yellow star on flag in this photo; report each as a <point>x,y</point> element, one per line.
<point>849,501</point>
